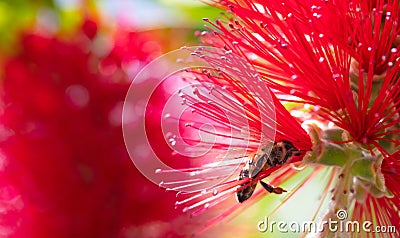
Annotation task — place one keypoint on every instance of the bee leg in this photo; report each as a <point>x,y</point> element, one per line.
<point>269,188</point>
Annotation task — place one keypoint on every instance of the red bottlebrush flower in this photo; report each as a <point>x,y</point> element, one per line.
<point>243,114</point>
<point>344,77</point>
<point>64,167</point>
<point>302,58</point>
<point>388,207</point>
<point>374,29</point>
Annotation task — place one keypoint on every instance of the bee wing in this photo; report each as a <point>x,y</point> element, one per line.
<point>261,157</point>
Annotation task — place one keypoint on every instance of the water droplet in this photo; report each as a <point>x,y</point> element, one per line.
<point>384,57</point>
<point>207,205</point>
<point>179,60</point>
<point>321,35</point>
<point>157,171</point>
<point>294,76</point>
<point>185,209</point>
<point>370,48</point>
<point>284,45</point>
<point>167,116</point>
<point>215,192</point>
<point>172,141</point>
<point>292,91</point>
<point>376,115</point>
<point>321,59</point>
<point>393,50</point>
<point>390,64</point>
<point>388,13</point>
<point>161,184</point>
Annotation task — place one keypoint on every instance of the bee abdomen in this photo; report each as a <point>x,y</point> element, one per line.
<point>246,189</point>
<point>245,193</point>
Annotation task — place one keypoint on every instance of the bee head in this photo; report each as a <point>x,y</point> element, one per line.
<point>283,151</point>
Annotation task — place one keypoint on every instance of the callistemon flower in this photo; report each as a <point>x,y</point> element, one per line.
<point>374,29</point>
<point>336,62</point>
<point>246,119</point>
<point>298,58</point>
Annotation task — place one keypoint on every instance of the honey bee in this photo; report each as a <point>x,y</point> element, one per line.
<point>280,152</point>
